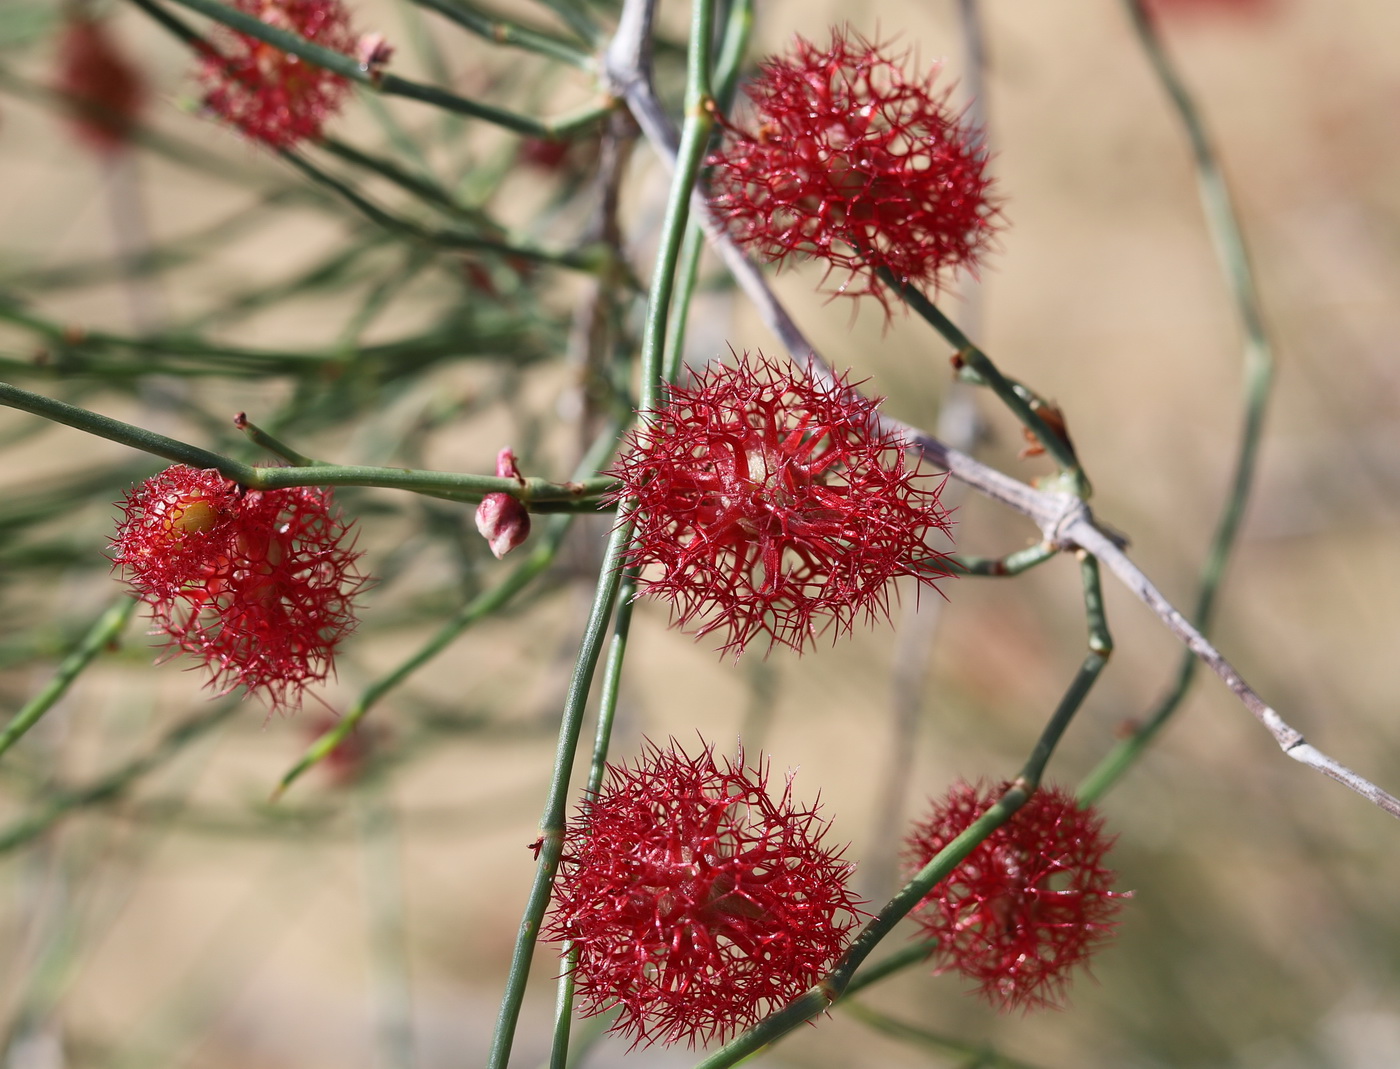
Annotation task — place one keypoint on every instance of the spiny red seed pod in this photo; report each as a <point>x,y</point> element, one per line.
<point>854,162</point>
<point>104,89</point>
<point>770,503</point>
<point>270,95</point>
<point>502,520</point>
<point>695,901</point>
<point>1030,903</point>
<point>259,585</point>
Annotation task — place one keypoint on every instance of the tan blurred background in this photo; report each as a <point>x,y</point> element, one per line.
<point>190,924</point>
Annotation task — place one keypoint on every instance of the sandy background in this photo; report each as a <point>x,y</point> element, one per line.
<point>190,924</point>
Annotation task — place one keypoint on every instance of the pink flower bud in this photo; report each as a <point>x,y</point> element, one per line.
<point>501,519</point>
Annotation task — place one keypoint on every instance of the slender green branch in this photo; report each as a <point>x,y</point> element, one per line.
<point>1223,222</point>
<point>727,66</point>
<point>349,67</point>
<point>68,349</point>
<point>421,187</point>
<point>124,433</point>
<point>539,495</point>
<point>104,631</point>
<point>1011,564</point>
<point>497,30</point>
<point>556,803</point>
<point>589,259</point>
<point>177,26</point>
<point>473,612</point>
<point>981,1055</point>
<point>974,359</point>
<point>694,135</point>
<point>607,710</point>
<point>612,684</point>
<point>263,440</point>
<point>897,962</point>
<point>559,1052</point>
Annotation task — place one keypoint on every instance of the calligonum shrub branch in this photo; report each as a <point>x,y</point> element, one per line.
<point>1065,520</point>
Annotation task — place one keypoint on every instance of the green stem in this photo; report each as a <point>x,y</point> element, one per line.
<point>263,440</point>
<point>498,31</point>
<point>104,631</point>
<point>556,802</point>
<point>70,349</point>
<point>694,135</point>
<point>540,558</point>
<point>176,26</point>
<point>563,1009</point>
<point>837,984</point>
<point>1018,400</point>
<point>588,259</point>
<point>1011,564</point>
<point>977,1054</point>
<point>539,495</point>
<point>612,684</point>
<point>421,187</point>
<point>472,613</point>
<point>389,84</point>
<point>1223,222</point>
<point>607,710</point>
<point>727,66</point>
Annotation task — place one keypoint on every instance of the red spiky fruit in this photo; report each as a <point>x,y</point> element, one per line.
<point>695,901</point>
<point>770,503</point>
<point>257,584</point>
<point>1029,904</point>
<point>851,160</point>
<point>272,96</point>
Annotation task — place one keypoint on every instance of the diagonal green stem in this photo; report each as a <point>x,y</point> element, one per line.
<point>1223,222</point>
<point>737,30</point>
<point>979,1055</point>
<point>539,495</point>
<point>589,259</point>
<point>540,558</point>
<point>694,136</point>
<point>1011,394</point>
<point>607,710</point>
<point>104,631</point>
<point>499,31</point>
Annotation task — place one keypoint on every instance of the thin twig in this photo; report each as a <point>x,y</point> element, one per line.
<point>537,494</point>
<point>1082,532</point>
